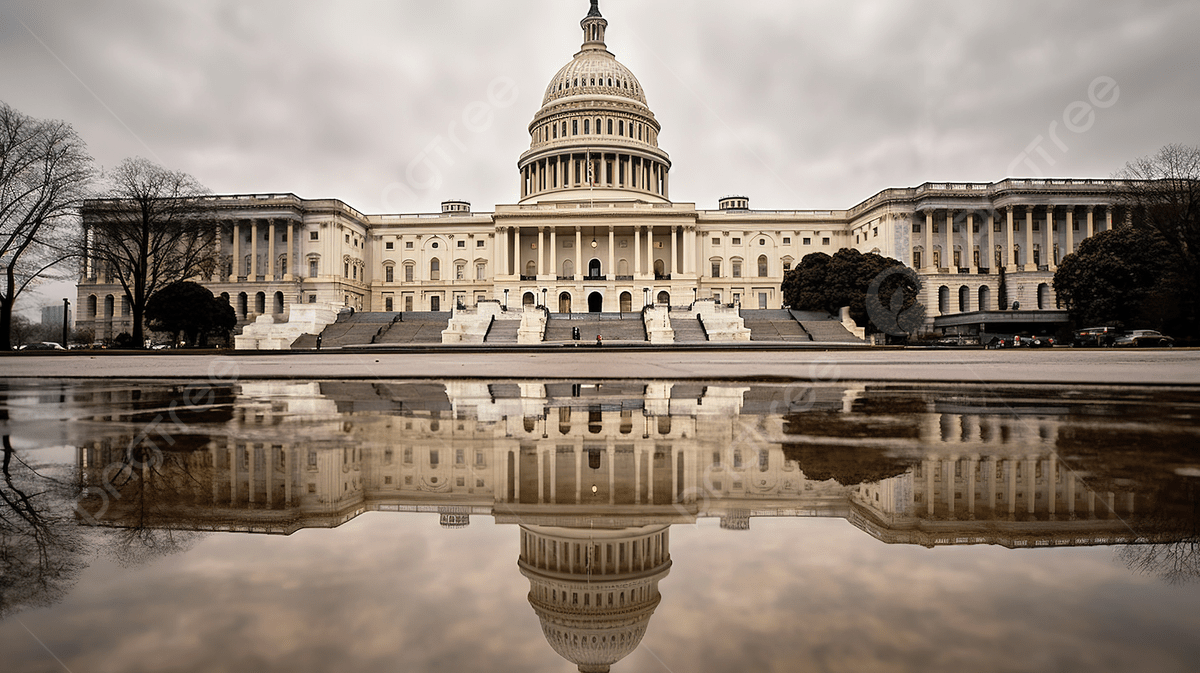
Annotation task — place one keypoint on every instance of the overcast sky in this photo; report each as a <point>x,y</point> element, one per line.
<point>797,105</point>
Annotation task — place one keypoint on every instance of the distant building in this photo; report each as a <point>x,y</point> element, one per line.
<point>594,230</point>
<point>53,315</point>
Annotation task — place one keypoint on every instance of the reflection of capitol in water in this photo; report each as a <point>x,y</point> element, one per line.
<point>593,474</point>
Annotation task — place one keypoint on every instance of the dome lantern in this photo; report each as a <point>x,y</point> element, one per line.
<point>593,28</point>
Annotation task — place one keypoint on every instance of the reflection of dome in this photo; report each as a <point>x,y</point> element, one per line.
<point>594,137</point>
<point>594,590</point>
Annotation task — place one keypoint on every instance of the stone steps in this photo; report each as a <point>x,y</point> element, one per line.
<point>611,326</point>
<point>829,331</point>
<point>503,332</point>
<point>688,330</point>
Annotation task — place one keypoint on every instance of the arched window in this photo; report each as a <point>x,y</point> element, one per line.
<point>568,269</point>
<point>664,297</point>
<point>260,303</point>
<point>964,299</point>
<point>389,274</point>
<point>762,266</point>
<point>1043,296</point>
<point>409,270</point>
<point>531,268</point>
<point>278,308</point>
<point>435,269</point>
<point>527,299</point>
<point>623,267</point>
<point>985,298</point>
<point>109,306</point>
<point>943,299</point>
<point>242,307</point>
<point>314,264</point>
<point>91,306</point>
<point>626,302</point>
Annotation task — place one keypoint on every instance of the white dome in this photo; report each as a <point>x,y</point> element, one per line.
<point>594,72</point>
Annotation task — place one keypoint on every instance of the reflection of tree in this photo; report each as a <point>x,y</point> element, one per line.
<point>1171,548</point>
<point>40,544</point>
<point>147,497</point>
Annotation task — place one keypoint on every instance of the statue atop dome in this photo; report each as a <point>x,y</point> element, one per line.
<point>595,11</point>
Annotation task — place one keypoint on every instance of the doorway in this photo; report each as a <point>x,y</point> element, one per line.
<point>595,302</point>
<point>594,269</point>
<point>564,302</point>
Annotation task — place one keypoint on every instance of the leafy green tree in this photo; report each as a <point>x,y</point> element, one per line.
<point>868,284</point>
<point>1126,277</point>
<point>188,308</point>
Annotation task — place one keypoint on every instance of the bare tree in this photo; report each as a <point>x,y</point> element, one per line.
<point>45,171</point>
<point>1163,194</point>
<point>151,232</point>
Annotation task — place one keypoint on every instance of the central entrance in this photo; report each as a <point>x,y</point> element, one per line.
<point>594,269</point>
<point>595,302</point>
<point>564,302</point>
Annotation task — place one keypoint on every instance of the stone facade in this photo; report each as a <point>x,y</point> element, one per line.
<point>595,230</point>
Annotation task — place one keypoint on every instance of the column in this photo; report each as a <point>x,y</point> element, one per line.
<point>578,471</point>
<point>541,249</point>
<point>610,454</point>
<point>1051,485</point>
<point>972,463</point>
<point>292,232</point>
<point>1011,496</point>
<point>927,258</point>
<point>287,475</point>
<point>541,462</point>
<point>501,252</point>
<point>253,250</point>
<point>250,456</point>
<point>689,250</point>
<point>1108,217</point>
<point>553,252</point>
<point>514,252</point>
<point>988,257</point>
<point>1030,483</point>
<point>1070,246</point>
<point>949,481</point>
<point>236,266</point>
<point>1091,222</point>
<point>269,465</point>
<point>554,474</point>
<point>1010,241</point>
<point>612,253</point>
<point>990,475</point>
<point>637,251</point>
<point>637,476</point>
<point>1069,477</point>
<point>969,248</point>
<point>1029,265</point>
<point>580,271</point>
<point>650,249</point>
<point>1048,239</point>
<point>927,465</point>
<point>948,247</point>
<point>216,274</point>
<point>271,249</point>
<point>674,250</point>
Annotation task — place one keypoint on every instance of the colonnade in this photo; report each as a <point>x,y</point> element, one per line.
<point>609,170</point>
<point>544,241</point>
<point>1004,237</point>
<point>238,270</point>
<point>646,477</point>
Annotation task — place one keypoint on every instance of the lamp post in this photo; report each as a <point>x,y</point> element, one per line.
<point>66,321</point>
<point>645,297</point>
<point>505,299</point>
<point>544,298</point>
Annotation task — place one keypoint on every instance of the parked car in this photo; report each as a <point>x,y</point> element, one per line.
<point>1144,337</point>
<point>1095,336</point>
<point>1028,340</point>
<point>43,346</point>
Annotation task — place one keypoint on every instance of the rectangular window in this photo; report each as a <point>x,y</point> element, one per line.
<point>312,298</point>
<point>479,243</point>
<point>807,241</point>
<point>462,244</point>
<point>347,238</point>
<point>737,269</point>
<point>433,458</point>
<point>716,269</point>
<point>481,271</point>
<point>916,227</point>
<point>388,304</point>
<point>716,241</point>
<point>825,241</point>
<point>787,240</point>
<point>389,273</point>
<point>408,245</point>
<point>389,245</point>
<point>312,235</point>
<point>875,232</point>
<point>787,266</point>
<point>312,268</point>
<point>408,273</point>
<point>737,241</point>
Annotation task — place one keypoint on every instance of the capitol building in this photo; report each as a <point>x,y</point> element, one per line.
<point>594,230</point>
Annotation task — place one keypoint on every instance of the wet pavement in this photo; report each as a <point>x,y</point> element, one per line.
<point>546,524</point>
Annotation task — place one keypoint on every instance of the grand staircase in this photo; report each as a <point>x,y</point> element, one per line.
<point>774,325</point>
<point>503,332</point>
<point>688,330</point>
<point>362,329</point>
<point>611,326</point>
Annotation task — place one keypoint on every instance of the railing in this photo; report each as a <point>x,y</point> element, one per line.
<point>489,329</point>
<point>662,276</point>
<point>703,329</point>
<point>524,277</point>
<point>964,269</point>
<point>595,277</point>
<point>571,277</point>
<point>983,271</point>
<point>623,277</point>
